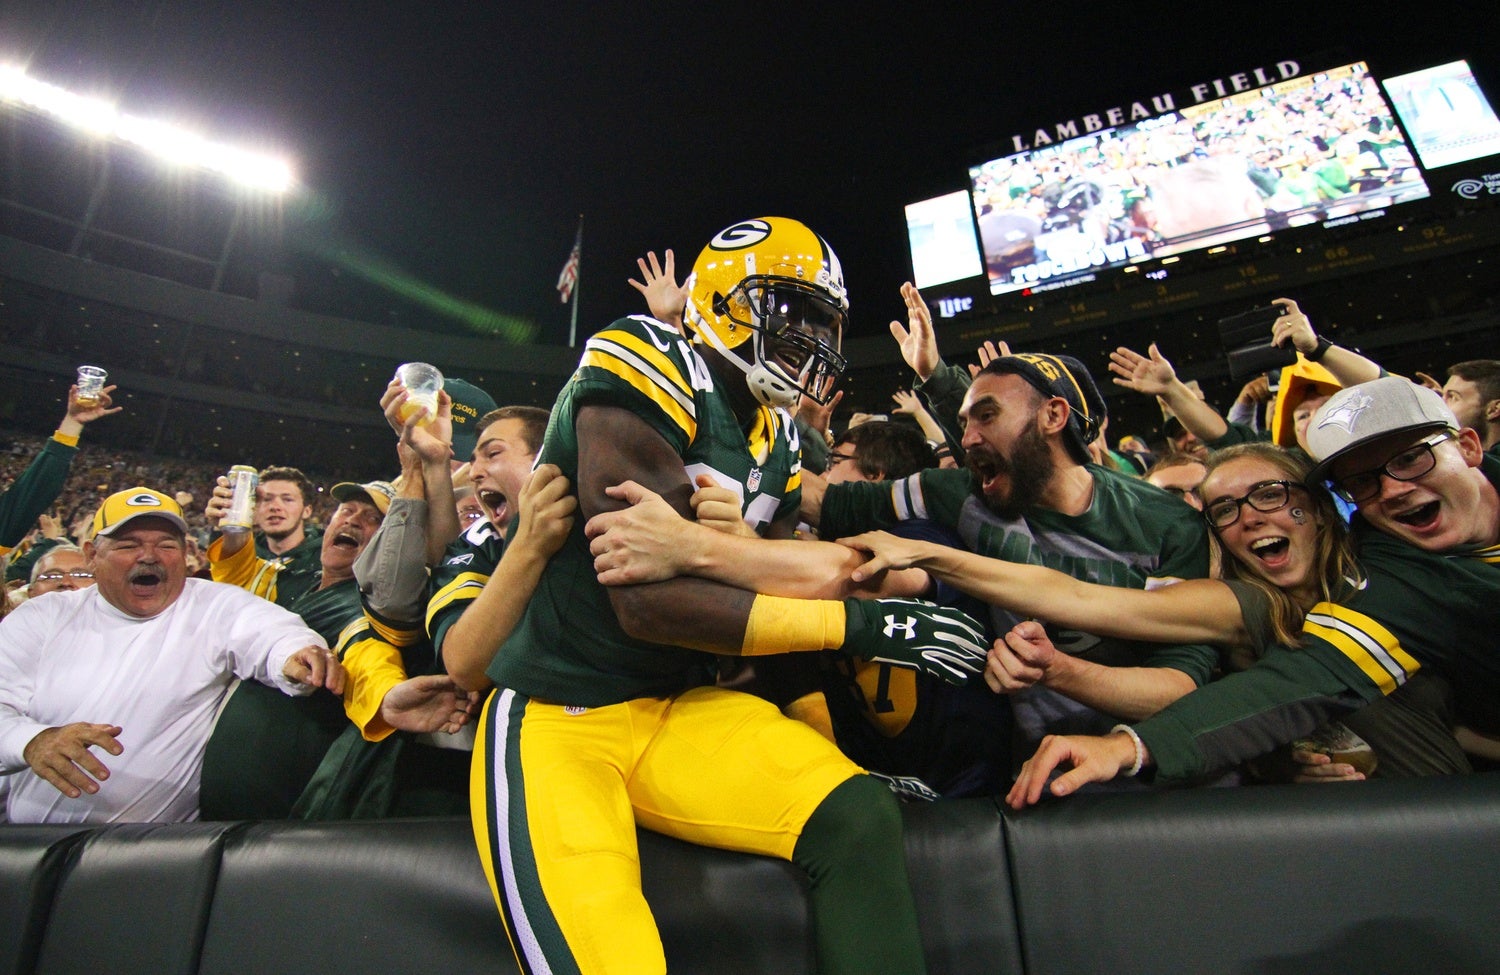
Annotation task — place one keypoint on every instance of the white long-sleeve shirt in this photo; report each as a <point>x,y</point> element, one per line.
<point>71,656</point>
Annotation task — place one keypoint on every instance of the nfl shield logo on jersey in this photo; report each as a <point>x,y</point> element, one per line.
<point>753,481</point>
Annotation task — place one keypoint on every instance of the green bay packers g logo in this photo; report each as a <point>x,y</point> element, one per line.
<point>746,233</point>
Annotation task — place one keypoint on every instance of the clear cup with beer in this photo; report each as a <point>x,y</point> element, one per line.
<point>90,385</point>
<point>422,382</point>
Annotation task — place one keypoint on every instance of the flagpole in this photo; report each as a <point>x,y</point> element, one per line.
<point>577,283</point>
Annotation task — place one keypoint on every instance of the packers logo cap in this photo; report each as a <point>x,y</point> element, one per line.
<point>123,507</point>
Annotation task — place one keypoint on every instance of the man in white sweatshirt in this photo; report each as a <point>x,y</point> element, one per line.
<point>135,666</point>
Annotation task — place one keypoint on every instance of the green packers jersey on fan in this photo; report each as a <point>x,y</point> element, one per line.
<point>1132,535</point>
<point>467,565</point>
<point>1416,609</point>
<point>569,648</point>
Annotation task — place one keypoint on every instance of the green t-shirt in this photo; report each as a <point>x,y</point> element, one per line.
<point>1132,535</point>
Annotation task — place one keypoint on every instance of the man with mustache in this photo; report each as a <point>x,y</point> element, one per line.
<point>135,666</point>
<point>1030,494</point>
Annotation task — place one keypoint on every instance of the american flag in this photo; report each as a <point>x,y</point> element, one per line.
<point>569,276</point>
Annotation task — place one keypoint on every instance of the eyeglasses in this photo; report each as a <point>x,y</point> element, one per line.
<point>1408,465</point>
<point>1266,496</point>
<point>78,575</point>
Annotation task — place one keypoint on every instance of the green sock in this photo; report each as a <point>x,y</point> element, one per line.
<point>864,919</point>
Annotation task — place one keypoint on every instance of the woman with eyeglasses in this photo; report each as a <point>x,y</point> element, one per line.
<point>1285,550</point>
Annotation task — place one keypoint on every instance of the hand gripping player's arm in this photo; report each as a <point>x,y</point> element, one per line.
<point>616,446</point>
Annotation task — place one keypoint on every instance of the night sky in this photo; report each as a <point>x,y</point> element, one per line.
<point>461,140</point>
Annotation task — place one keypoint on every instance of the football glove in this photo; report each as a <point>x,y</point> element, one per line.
<point>947,643</point>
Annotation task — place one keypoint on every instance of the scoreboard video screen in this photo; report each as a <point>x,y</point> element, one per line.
<point>1319,148</point>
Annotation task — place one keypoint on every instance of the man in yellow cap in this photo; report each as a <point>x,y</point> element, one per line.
<point>136,666</point>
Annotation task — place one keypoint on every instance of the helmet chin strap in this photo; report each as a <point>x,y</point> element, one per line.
<point>770,387</point>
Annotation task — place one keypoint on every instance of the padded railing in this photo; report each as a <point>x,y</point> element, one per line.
<point>1386,877</point>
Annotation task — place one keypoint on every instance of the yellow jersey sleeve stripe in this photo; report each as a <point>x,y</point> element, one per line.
<point>1371,647</point>
<point>461,588</point>
<point>651,358</point>
<point>243,569</point>
<point>403,635</point>
<point>646,370</point>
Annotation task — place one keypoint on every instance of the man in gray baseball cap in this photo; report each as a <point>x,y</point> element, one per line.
<point>1427,532</point>
<point>1395,449</point>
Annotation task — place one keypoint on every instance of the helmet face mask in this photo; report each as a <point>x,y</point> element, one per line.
<point>768,295</point>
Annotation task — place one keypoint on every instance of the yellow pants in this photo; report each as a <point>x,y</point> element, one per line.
<point>557,792</point>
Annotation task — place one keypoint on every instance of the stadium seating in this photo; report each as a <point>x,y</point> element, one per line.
<point>1383,877</point>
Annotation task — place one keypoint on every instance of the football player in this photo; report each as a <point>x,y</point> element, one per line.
<point>605,715</point>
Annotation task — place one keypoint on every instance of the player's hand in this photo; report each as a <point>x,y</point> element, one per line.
<point>814,486</point>
<point>428,703</point>
<point>62,757</point>
<point>430,438</point>
<point>907,403</point>
<point>49,526</point>
<point>1314,766</point>
<point>915,635</point>
<point>665,298</point>
<point>547,506</point>
<point>1257,390</point>
<point>885,551</point>
<point>718,507</point>
<point>644,542</point>
<point>1021,659</point>
<point>917,339</point>
<point>315,667</point>
<point>1150,374</point>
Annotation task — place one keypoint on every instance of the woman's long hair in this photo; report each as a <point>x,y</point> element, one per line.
<point>1334,564</point>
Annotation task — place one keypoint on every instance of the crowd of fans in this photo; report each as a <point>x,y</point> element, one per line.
<point>308,542</point>
<point>1062,585</point>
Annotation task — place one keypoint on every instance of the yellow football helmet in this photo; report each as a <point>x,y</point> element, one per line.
<point>768,294</point>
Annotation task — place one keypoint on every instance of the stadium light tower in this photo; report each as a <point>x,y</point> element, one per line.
<point>169,143</point>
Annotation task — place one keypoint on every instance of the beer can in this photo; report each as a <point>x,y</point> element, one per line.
<point>243,482</point>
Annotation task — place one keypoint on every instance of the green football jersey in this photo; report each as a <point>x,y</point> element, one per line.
<point>1416,609</point>
<point>569,647</point>
<point>458,579</point>
<point>1132,535</point>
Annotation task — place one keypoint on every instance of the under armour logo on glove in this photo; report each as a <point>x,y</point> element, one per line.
<point>915,635</point>
<point>908,628</point>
